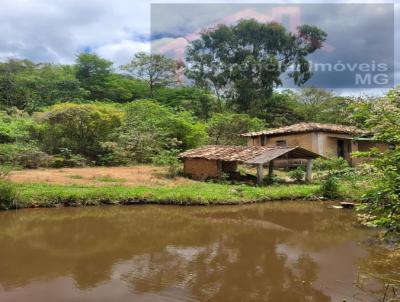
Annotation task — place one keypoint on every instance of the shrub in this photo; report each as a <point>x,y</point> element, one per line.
<point>112,159</point>
<point>71,162</point>
<point>33,159</point>
<point>169,158</point>
<point>334,166</point>
<point>297,174</point>
<point>79,127</point>
<point>274,179</point>
<point>4,171</point>
<point>330,187</point>
<point>26,156</point>
<point>15,127</point>
<point>9,153</point>
<point>8,195</point>
<point>383,199</point>
<point>149,128</point>
<point>331,172</point>
<point>114,155</point>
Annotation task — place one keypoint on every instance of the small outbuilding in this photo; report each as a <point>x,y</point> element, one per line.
<point>212,161</point>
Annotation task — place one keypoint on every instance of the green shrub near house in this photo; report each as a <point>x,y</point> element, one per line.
<point>297,174</point>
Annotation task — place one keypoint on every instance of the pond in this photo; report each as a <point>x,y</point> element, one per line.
<point>277,251</point>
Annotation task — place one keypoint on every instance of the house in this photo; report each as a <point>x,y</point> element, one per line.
<point>328,140</point>
<point>212,161</point>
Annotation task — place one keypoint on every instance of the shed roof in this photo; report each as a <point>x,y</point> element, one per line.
<point>308,127</point>
<point>250,155</point>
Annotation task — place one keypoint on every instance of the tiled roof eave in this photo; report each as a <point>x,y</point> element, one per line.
<point>251,154</point>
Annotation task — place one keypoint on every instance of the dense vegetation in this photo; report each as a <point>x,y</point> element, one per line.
<point>95,113</point>
<point>382,201</point>
<point>90,114</point>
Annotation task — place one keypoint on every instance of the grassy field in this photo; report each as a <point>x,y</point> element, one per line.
<point>142,184</point>
<point>44,195</point>
<point>139,175</point>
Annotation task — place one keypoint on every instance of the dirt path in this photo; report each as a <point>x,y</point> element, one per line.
<point>99,176</point>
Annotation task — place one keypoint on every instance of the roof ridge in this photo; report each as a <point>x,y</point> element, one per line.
<point>307,127</point>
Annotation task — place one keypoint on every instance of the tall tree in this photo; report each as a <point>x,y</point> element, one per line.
<point>94,73</point>
<point>12,92</point>
<point>155,69</point>
<point>282,108</point>
<point>244,62</point>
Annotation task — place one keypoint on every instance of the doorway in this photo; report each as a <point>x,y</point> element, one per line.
<point>340,148</point>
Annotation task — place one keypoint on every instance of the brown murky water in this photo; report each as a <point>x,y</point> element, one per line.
<point>284,251</point>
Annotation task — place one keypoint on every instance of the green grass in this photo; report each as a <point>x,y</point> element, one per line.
<point>109,179</point>
<point>44,195</point>
<point>76,177</point>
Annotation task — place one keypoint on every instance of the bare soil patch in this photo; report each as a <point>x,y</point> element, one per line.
<point>99,176</point>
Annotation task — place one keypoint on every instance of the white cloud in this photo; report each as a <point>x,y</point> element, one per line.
<point>122,52</point>
<point>56,30</point>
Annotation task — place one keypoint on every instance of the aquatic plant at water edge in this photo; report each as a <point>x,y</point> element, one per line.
<point>330,187</point>
<point>8,195</point>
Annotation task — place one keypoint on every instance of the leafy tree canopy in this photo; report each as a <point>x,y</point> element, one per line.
<point>243,62</point>
<point>29,86</point>
<point>80,128</point>
<point>15,127</point>
<point>198,101</point>
<point>225,128</point>
<point>154,69</point>
<point>92,72</point>
<point>149,127</point>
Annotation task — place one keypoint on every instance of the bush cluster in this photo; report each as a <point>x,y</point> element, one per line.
<point>297,174</point>
<point>8,195</point>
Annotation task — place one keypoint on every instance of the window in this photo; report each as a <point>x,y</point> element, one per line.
<point>281,143</point>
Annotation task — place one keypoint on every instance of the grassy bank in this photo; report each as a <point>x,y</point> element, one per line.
<point>45,195</point>
<point>141,184</point>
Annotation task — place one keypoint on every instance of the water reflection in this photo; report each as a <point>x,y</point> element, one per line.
<point>272,252</point>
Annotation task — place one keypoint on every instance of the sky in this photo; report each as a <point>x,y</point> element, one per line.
<point>57,30</point>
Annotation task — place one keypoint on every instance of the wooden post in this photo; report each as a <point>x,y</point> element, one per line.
<point>260,174</point>
<point>309,170</point>
<point>271,169</point>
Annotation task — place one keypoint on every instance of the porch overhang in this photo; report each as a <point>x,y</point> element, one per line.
<point>253,155</point>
